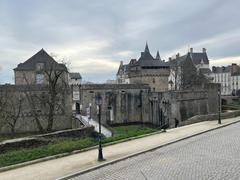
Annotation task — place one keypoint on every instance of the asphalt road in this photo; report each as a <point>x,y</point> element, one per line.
<point>213,155</point>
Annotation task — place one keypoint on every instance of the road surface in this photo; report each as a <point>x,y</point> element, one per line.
<point>213,155</point>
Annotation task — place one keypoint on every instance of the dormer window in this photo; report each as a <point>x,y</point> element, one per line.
<point>39,66</point>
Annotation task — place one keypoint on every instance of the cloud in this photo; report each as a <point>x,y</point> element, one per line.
<point>225,61</point>
<point>96,35</point>
<point>96,66</point>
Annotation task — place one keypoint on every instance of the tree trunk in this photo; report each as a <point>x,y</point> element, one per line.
<point>40,128</point>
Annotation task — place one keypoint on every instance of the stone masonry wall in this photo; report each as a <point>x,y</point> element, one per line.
<point>26,121</point>
<point>157,79</point>
<point>123,101</point>
<point>136,103</point>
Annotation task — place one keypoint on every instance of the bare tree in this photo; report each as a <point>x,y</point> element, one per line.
<point>11,107</point>
<point>185,75</point>
<point>55,84</point>
<point>13,111</point>
<point>176,72</point>
<point>32,102</point>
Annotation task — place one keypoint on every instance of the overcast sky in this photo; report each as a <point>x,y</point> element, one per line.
<point>95,35</point>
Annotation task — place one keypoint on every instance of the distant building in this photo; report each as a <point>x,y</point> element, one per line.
<point>191,68</point>
<point>75,81</point>
<point>111,81</point>
<point>145,70</point>
<point>122,74</point>
<point>75,78</point>
<point>37,69</point>
<point>229,77</point>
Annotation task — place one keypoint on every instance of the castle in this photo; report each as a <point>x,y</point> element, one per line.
<point>145,70</point>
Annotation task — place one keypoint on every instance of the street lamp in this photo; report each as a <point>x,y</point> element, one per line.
<point>141,107</point>
<point>219,105</point>
<point>98,101</point>
<point>90,111</point>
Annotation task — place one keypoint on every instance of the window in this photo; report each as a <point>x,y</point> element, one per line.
<point>39,66</point>
<point>39,78</point>
<point>153,80</point>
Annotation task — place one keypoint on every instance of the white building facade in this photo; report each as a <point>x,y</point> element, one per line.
<point>228,77</point>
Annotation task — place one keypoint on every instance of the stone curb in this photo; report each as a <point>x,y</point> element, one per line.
<point>141,152</point>
<point>15,166</point>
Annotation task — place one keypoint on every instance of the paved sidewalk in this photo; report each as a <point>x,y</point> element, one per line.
<point>57,168</point>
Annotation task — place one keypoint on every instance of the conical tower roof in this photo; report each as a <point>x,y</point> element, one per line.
<point>158,56</point>
<point>146,48</point>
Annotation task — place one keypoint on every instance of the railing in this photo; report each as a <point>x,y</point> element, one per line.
<point>91,122</point>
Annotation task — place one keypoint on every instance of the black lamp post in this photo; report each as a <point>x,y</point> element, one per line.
<point>141,107</point>
<point>98,101</point>
<point>90,111</point>
<point>219,105</point>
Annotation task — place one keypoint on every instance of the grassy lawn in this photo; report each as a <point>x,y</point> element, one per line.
<point>63,145</point>
<point>123,132</point>
<point>233,106</point>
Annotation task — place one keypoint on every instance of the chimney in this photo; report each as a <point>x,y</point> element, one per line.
<point>204,50</point>
<point>169,58</point>
<point>133,61</point>
<point>191,50</point>
<point>177,55</point>
<point>234,68</point>
<point>121,63</point>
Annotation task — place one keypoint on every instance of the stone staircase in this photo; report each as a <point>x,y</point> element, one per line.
<point>91,122</point>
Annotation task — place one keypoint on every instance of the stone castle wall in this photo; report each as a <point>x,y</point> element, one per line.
<point>136,103</point>
<point>29,77</point>
<point>121,103</point>
<point>26,121</point>
<point>156,78</point>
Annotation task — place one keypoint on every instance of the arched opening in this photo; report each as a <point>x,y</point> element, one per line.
<point>77,108</point>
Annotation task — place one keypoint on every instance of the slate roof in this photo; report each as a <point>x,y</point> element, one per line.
<point>124,67</point>
<point>75,76</point>
<point>178,61</point>
<point>40,57</point>
<point>147,60</point>
<point>158,56</point>
<point>199,57</point>
<point>223,69</point>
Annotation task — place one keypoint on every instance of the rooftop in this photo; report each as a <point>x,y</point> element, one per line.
<point>40,57</point>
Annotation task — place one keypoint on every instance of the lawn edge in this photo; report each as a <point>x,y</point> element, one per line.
<point>19,165</point>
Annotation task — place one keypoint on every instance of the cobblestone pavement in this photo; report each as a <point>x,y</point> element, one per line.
<point>213,155</point>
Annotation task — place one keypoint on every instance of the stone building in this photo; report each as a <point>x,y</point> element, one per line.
<point>189,70</point>
<point>75,78</point>
<point>145,70</point>
<point>228,77</point>
<point>38,68</point>
<point>40,100</point>
<point>75,81</point>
